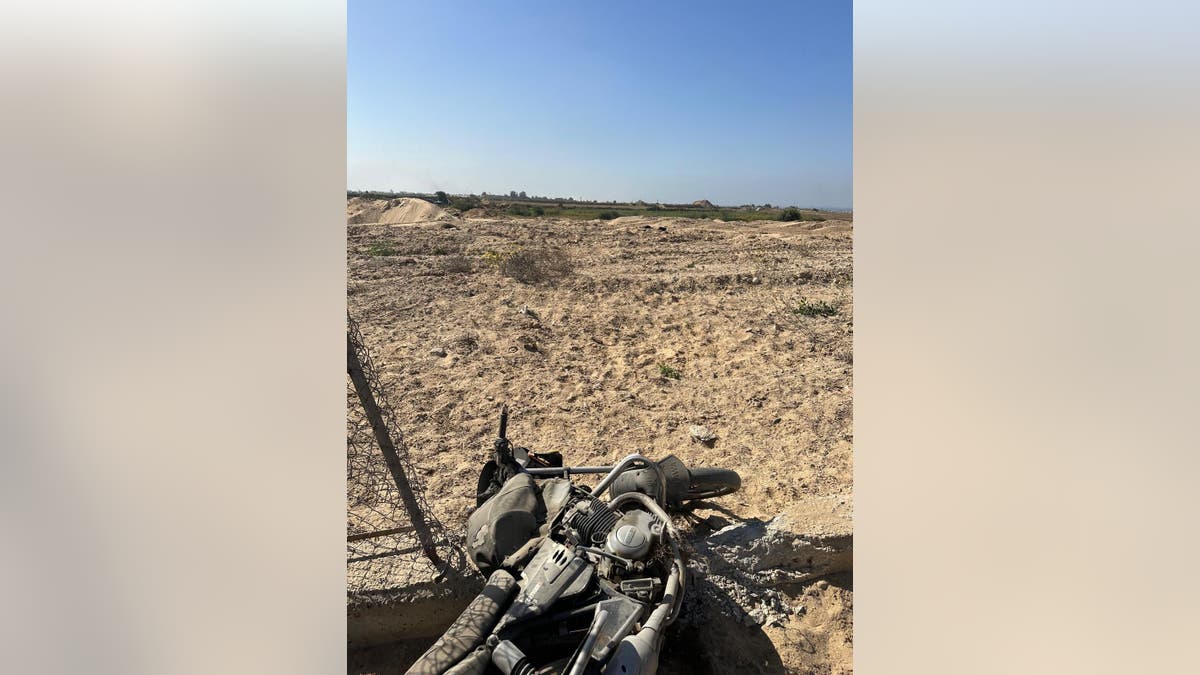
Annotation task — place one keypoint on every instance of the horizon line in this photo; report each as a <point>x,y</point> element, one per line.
<point>847,209</point>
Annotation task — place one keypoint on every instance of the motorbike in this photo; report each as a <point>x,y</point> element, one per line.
<point>577,583</point>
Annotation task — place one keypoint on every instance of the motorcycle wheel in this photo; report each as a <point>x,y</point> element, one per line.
<point>707,483</point>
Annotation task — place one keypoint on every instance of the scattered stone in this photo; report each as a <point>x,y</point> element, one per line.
<point>438,352</point>
<point>716,522</point>
<point>702,434</point>
<point>530,313</point>
<point>822,585</point>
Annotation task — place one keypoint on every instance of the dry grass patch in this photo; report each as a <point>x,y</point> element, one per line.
<point>536,265</point>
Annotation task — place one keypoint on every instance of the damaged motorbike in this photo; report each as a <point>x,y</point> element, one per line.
<point>580,580</point>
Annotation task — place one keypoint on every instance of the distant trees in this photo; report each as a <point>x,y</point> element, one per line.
<point>521,194</point>
<point>441,197</point>
<point>465,204</point>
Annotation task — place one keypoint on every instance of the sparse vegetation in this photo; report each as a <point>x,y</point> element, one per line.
<point>668,372</point>
<point>465,204</point>
<point>457,264</point>
<point>792,213</point>
<point>494,258</point>
<point>608,214</point>
<point>814,308</point>
<point>536,265</point>
<point>525,210</point>
<point>464,342</point>
<point>718,305</point>
<point>382,248</point>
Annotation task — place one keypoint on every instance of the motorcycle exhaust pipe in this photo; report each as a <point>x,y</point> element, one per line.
<point>637,654</point>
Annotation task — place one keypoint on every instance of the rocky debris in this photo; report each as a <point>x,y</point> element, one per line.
<point>530,313</point>
<point>438,352</point>
<point>748,566</point>
<point>527,343</point>
<point>702,434</point>
<point>795,546</point>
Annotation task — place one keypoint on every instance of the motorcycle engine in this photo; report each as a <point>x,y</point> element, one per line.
<point>633,535</point>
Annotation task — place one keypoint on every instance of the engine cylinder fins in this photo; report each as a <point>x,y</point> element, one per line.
<point>593,520</point>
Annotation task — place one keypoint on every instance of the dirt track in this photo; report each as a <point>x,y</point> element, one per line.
<point>582,367</point>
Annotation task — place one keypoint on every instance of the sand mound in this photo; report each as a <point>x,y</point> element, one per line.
<point>394,211</point>
<point>363,210</point>
<point>411,210</point>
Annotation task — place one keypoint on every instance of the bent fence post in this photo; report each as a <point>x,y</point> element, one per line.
<point>388,448</point>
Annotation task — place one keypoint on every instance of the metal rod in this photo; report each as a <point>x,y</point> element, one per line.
<point>560,470</point>
<point>613,472</point>
<point>624,464</point>
<point>384,439</point>
<point>589,643</point>
<point>402,551</point>
<point>380,533</point>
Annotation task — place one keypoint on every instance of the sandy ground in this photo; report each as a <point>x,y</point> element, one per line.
<point>580,368</point>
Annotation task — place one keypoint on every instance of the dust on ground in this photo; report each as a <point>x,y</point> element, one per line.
<point>743,328</point>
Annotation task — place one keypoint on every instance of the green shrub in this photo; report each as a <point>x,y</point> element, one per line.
<point>666,371</point>
<point>793,213</point>
<point>814,308</point>
<point>608,214</point>
<point>525,211</point>
<point>382,248</point>
<point>465,204</point>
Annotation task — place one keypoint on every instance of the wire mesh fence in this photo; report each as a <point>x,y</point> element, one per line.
<point>393,539</point>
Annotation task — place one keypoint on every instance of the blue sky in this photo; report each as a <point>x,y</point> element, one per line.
<point>662,101</point>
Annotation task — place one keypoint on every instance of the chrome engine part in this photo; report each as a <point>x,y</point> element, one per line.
<point>634,534</point>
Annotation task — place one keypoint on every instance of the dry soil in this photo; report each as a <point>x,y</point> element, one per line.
<point>661,325</point>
